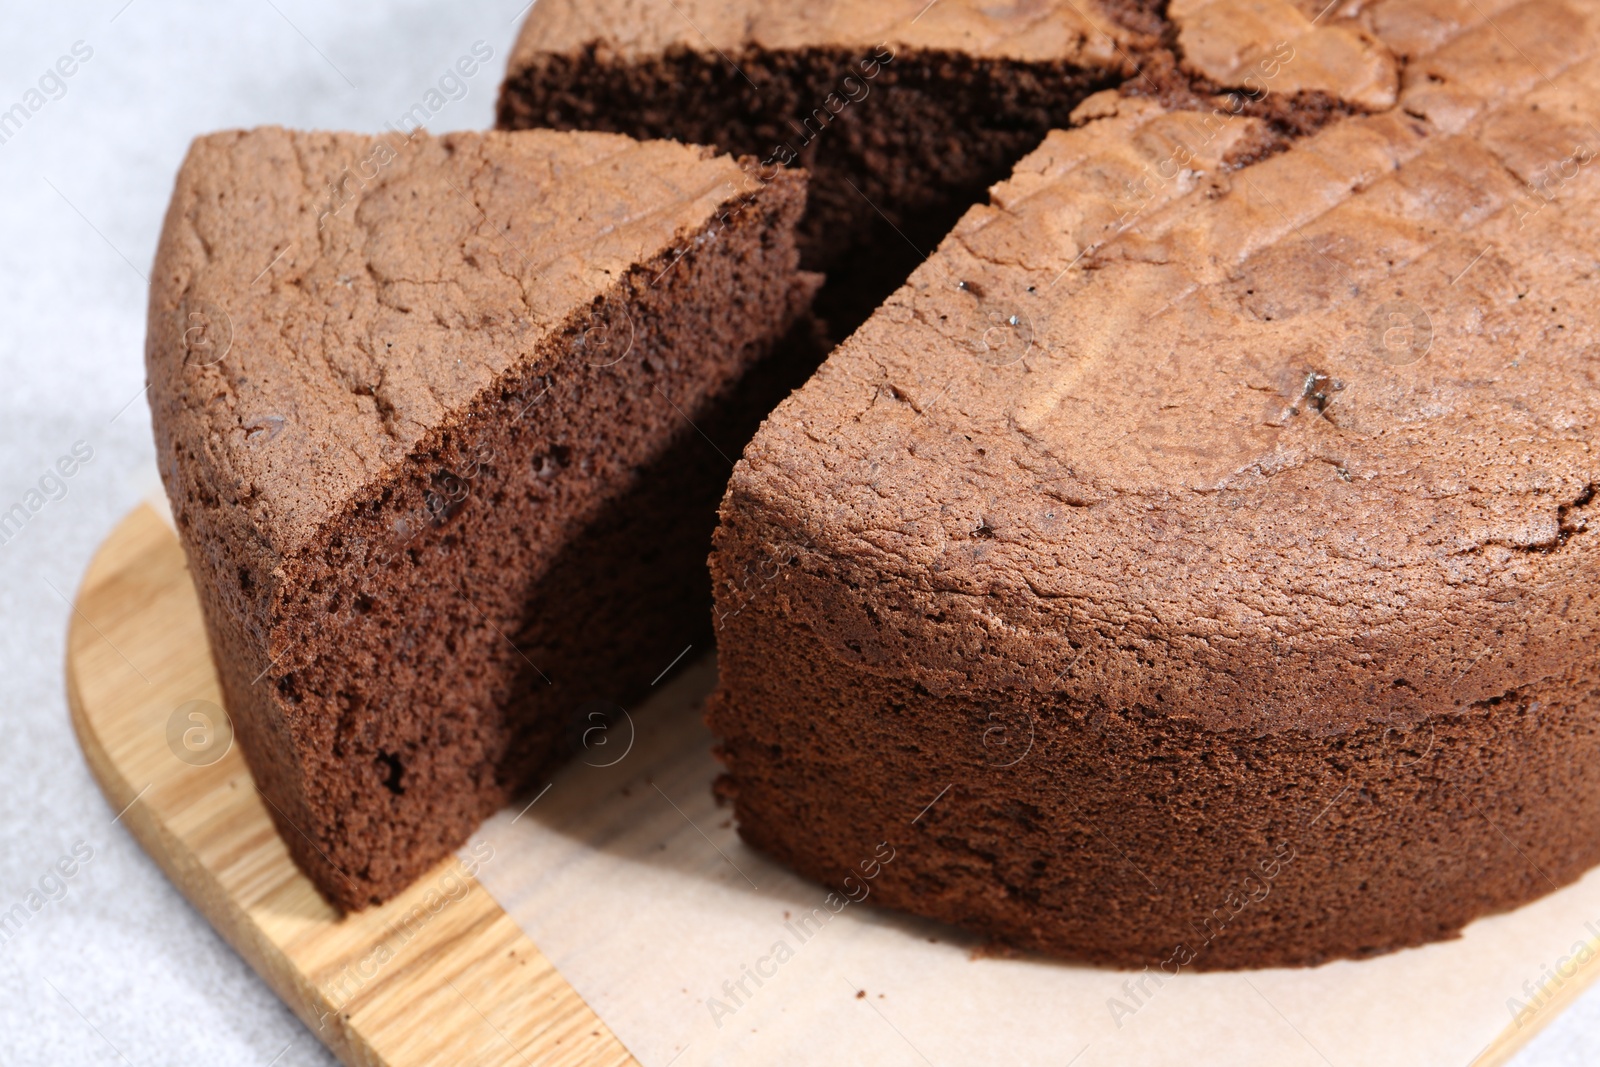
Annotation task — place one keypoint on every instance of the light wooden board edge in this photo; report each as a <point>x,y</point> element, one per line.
<point>439,975</point>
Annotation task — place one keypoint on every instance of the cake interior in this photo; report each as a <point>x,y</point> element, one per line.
<point>532,568</point>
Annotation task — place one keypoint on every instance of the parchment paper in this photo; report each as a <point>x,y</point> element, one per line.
<point>635,884</point>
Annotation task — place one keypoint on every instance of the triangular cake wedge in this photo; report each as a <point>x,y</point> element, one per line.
<point>1193,564</point>
<point>443,421</point>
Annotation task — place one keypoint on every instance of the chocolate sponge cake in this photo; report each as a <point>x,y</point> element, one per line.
<point>1193,564</point>
<point>438,418</point>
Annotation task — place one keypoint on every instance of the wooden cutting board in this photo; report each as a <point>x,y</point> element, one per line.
<point>440,975</point>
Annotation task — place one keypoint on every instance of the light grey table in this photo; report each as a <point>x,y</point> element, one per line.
<point>118,968</point>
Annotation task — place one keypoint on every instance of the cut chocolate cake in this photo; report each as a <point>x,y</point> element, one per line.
<point>1191,565</point>
<point>439,419</point>
<point>903,111</point>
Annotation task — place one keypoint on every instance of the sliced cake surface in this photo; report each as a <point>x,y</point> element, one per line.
<point>426,409</point>
<point>1199,527</point>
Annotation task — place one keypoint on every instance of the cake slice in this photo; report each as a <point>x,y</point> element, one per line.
<point>1192,565</point>
<point>443,421</point>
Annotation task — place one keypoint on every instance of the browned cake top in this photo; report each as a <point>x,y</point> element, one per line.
<point>1285,47</point>
<point>320,301</point>
<point>1084,32</point>
<point>1292,444</point>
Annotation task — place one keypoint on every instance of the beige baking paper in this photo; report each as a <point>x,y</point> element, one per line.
<point>635,884</point>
